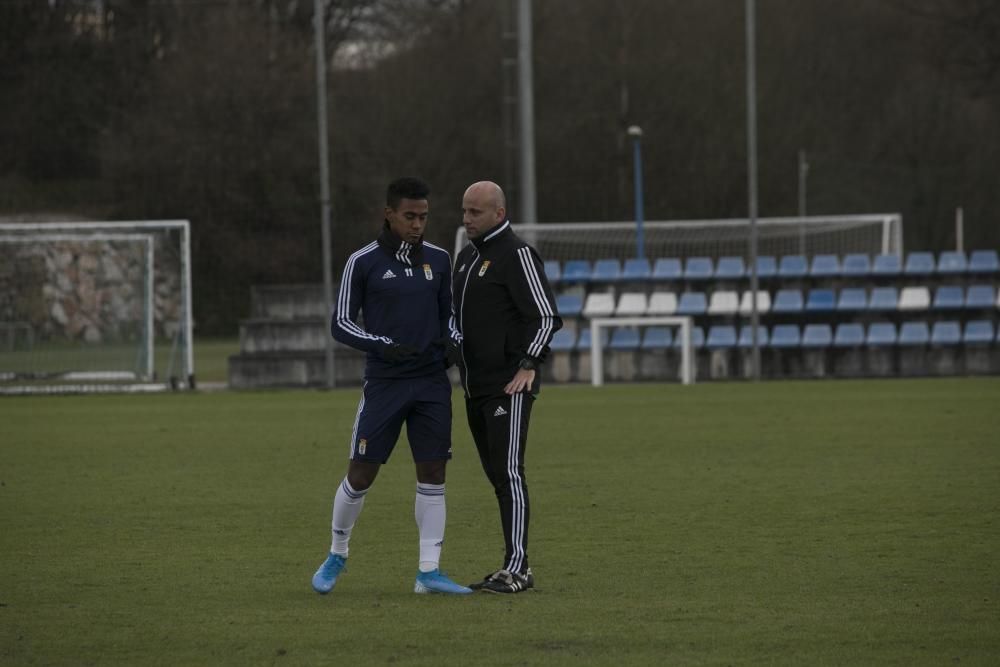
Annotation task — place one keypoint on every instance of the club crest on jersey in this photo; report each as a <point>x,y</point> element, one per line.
<point>482,269</point>
<point>428,273</point>
<point>362,446</point>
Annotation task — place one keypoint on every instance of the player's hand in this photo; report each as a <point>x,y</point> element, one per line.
<point>399,353</point>
<point>522,381</point>
<point>452,352</point>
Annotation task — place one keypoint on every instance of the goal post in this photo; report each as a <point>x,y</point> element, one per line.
<point>596,347</point>
<point>95,306</point>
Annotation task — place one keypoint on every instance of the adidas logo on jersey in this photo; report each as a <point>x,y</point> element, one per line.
<point>500,411</point>
<point>388,274</point>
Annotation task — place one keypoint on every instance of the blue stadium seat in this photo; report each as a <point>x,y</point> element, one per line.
<point>820,301</point>
<point>636,269</point>
<point>787,301</point>
<point>576,271</point>
<point>852,299</point>
<point>984,261</point>
<point>849,335</point>
<point>946,333</point>
<point>884,298</point>
<point>584,341</point>
<point>746,332</point>
<point>569,305</point>
<point>948,297</point>
<point>564,340</point>
<point>667,268</point>
<point>606,271</point>
<point>881,334</point>
<point>625,338</point>
<point>697,338</point>
<point>552,270</point>
<point>914,333</point>
<point>729,268</point>
<point>698,268</point>
<point>824,266</point>
<point>856,265</point>
<point>767,267</point>
<point>785,335</point>
<point>721,336</point>
<point>980,297</point>
<point>887,266</point>
<point>817,335</point>
<point>952,262</point>
<point>978,332</point>
<point>692,303</point>
<point>919,264</point>
<point>657,338</point>
<point>792,266</point>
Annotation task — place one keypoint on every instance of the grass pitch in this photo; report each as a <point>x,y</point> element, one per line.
<point>785,523</point>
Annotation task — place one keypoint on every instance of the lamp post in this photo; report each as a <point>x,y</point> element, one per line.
<point>319,25</point>
<point>635,132</point>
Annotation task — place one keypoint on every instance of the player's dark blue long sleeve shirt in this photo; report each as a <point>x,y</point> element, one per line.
<point>403,292</point>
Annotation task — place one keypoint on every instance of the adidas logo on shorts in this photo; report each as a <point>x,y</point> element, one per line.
<point>500,411</point>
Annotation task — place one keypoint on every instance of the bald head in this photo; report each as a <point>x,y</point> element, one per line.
<point>484,206</point>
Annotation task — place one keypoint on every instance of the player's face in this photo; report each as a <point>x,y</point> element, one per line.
<point>480,212</point>
<point>408,219</point>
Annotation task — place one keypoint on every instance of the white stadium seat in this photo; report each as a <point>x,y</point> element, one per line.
<point>723,302</point>
<point>599,304</point>
<point>662,303</point>
<point>915,298</point>
<point>631,304</point>
<point>763,302</point>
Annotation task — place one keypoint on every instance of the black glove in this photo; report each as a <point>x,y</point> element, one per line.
<point>398,353</point>
<point>452,352</point>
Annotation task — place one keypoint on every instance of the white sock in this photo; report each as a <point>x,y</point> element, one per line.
<point>347,506</point>
<point>429,510</point>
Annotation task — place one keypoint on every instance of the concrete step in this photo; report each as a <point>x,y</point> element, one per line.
<point>289,302</point>
<point>281,335</point>
<point>294,369</point>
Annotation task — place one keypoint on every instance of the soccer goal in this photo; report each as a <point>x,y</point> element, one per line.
<point>95,306</point>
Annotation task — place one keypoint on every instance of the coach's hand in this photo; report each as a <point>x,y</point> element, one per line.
<point>523,379</point>
<point>398,353</point>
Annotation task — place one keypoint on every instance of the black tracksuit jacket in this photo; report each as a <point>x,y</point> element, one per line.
<point>504,310</point>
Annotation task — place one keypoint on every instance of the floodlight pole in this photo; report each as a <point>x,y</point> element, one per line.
<point>529,208</point>
<point>803,176</point>
<point>752,179</point>
<point>319,19</point>
<point>635,132</point>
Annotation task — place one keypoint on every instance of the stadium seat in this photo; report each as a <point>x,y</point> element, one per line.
<point>914,333</point>
<point>952,262</point>
<point>886,266</point>
<point>856,265</point>
<point>720,337</point>
<point>662,303</point>
<point>767,267</point>
<point>636,269</point>
<point>697,338</point>
<point>657,338</point>
<point>785,336</point>
<point>852,299</point>
<point>946,333</point>
<point>698,268</point>
<point>978,332</point>
<point>631,304</point>
<point>763,302</point>
<point>599,304</point>
<point>883,299</point>
<point>948,297</point>
<point>914,298</point>
<point>919,264</point>
<point>881,334</point>
<point>569,305</point>
<point>624,338</point>
<point>606,271</point>
<point>723,302</point>
<point>849,335</point>
<point>820,301</point>
<point>792,266</point>
<point>667,268</point>
<point>984,261</point>
<point>576,271</point>
<point>692,303</point>
<point>787,301</point>
<point>979,297</point>
<point>746,332</point>
<point>564,340</point>
<point>730,268</point>
<point>583,343</point>
<point>552,270</point>
<point>824,266</point>
<point>817,335</point>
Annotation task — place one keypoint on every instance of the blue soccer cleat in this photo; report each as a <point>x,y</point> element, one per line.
<point>326,575</point>
<point>435,581</point>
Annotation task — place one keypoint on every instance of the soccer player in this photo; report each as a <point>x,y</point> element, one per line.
<point>402,284</point>
<point>506,316</point>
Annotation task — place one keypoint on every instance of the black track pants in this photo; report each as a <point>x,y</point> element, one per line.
<point>499,425</point>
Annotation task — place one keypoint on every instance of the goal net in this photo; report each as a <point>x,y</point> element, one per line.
<point>813,235</point>
<point>95,306</point>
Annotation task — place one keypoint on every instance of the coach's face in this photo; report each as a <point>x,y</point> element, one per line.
<point>481,209</point>
<point>409,219</point>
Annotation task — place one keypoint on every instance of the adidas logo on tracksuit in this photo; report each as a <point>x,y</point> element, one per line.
<point>500,411</point>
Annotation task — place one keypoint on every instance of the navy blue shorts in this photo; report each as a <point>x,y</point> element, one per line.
<point>424,403</point>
